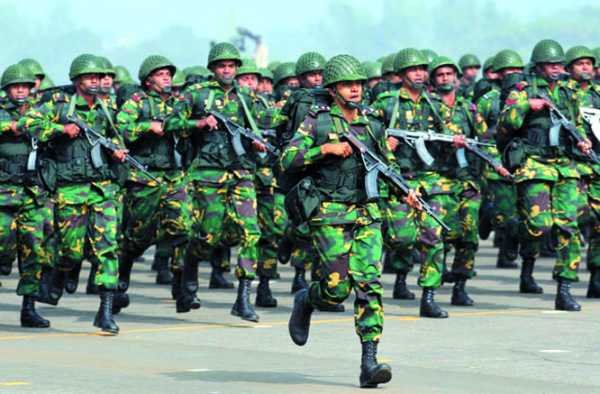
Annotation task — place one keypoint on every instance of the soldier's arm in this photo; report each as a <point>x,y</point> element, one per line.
<point>128,120</point>
<point>515,110</point>
<point>178,121</point>
<point>301,150</point>
<point>42,122</point>
<point>5,122</point>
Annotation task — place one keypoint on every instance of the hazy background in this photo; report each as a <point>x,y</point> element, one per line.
<point>126,31</point>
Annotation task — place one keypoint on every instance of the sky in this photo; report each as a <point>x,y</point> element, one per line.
<point>126,31</point>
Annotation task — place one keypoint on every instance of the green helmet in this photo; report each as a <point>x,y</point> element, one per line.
<point>152,63</point>
<point>489,63</point>
<point>283,71</point>
<point>46,83</point>
<point>310,61</point>
<point>266,73</point>
<point>343,68</point>
<point>409,57</point>
<point>507,58</point>
<point>34,67</point>
<point>85,64</point>
<point>16,73</point>
<point>108,67</point>
<point>547,51</point>
<point>429,54</point>
<point>596,52</point>
<point>372,69</point>
<point>387,66</point>
<point>197,71</point>
<point>248,67</point>
<point>122,75</point>
<point>440,61</point>
<point>224,51</point>
<point>273,65</point>
<point>579,52</point>
<point>178,79</point>
<point>468,60</point>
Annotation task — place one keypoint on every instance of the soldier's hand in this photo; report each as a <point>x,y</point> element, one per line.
<point>585,146</point>
<point>503,172</point>
<point>412,199</point>
<point>157,128</point>
<point>119,155</point>
<point>72,130</point>
<point>209,122</point>
<point>13,127</point>
<point>537,104</point>
<point>342,149</point>
<point>259,146</point>
<point>459,141</point>
<point>392,143</point>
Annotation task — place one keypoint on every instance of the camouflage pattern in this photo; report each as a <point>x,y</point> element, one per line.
<point>347,236</point>
<point>546,181</point>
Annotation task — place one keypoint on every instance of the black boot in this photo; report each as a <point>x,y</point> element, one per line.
<point>371,372</point>
<point>104,318</point>
<point>299,281</point>
<point>564,300</point>
<point>264,296</point>
<point>504,262</point>
<point>218,280</point>
<point>163,274</point>
<point>92,287</point>
<point>459,294</point>
<point>29,317</point>
<point>284,249</point>
<point>121,298</point>
<point>72,279</point>
<point>401,291</point>
<point>188,286</point>
<point>176,285</point>
<point>528,284</point>
<point>299,324</point>
<point>52,293</point>
<point>594,286</point>
<point>5,267</point>
<point>242,306</point>
<point>429,308</point>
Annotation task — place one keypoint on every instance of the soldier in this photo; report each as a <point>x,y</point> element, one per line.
<point>25,206</point>
<point>489,81</point>
<point>156,210</point>
<point>469,68</point>
<point>223,181</point>
<point>344,228</point>
<point>285,81</point>
<point>265,83</point>
<point>390,79</point>
<point>374,76</point>
<point>411,235</point>
<point>36,69</point>
<point>500,196</point>
<point>460,173</point>
<point>196,74</point>
<point>85,210</point>
<point>584,93</point>
<point>546,177</point>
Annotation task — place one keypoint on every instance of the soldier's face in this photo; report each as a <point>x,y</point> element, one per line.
<point>470,73</point>
<point>349,91</point>
<point>265,86</point>
<point>38,82</point>
<point>491,75</point>
<point>249,81</point>
<point>510,70</point>
<point>415,76</point>
<point>582,69</point>
<point>88,83</point>
<point>160,80</point>
<point>445,78</point>
<point>551,71</point>
<point>373,81</point>
<point>312,79</point>
<point>225,71</point>
<point>106,82</point>
<point>292,82</point>
<point>18,92</point>
<point>392,77</point>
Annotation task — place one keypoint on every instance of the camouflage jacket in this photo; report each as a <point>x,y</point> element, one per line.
<point>488,108</point>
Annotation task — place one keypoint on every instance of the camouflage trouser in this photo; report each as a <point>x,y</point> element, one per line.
<point>399,230</point>
<point>219,196</point>
<point>594,204</point>
<point>503,196</point>
<point>272,219</point>
<point>86,216</point>
<point>584,211</point>
<point>24,234</point>
<point>157,214</point>
<point>304,256</point>
<point>547,206</point>
<point>461,214</point>
<point>350,257</point>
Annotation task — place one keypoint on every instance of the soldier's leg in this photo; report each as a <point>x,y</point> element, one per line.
<point>272,228</point>
<point>565,202</point>
<point>536,220</point>
<point>242,212</point>
<point>162,257</point>
<point>506,222</point>
<point>8,239</point>
<point>593,255</point>
<point>467,244</point>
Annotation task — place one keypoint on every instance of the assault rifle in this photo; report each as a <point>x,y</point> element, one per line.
<point>237,132</point>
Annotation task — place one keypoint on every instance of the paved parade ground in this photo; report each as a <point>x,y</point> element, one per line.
<point>507,343</point>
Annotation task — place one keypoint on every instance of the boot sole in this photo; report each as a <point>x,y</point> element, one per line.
<point>29,325</point>
<point>247,318</point>
<point>381,377</point>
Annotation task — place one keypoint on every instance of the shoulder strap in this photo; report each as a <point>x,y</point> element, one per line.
<point>395,109</point>
<point>211,100</point>
<point>249,116</point>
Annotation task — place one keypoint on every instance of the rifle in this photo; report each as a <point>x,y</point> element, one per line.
<point>559,120</point>
<point>592,117</point>
<point>97,140</point>
<point>164,119</point>
<point>416,140</point>
<point>237,132</point>
<point>374,166</point>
